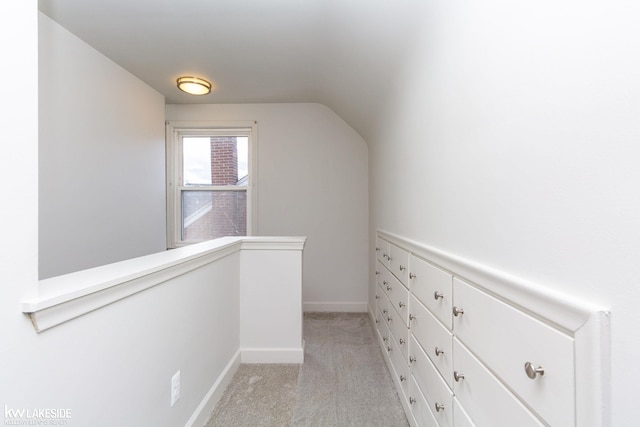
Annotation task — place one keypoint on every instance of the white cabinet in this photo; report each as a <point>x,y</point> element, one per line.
<point>469,347</point>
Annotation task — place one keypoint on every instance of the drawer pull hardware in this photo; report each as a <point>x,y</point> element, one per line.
<point>402,378</point>
<point>377,273</point>
<point>388,348</point>
<point>389,258</point>
<point>401,304</point>
<point>402,268</point>
<point>412,276</point>
<point>402,341</point>
<point>437,295</point>
<point>412,317</point>
<point>458,376</point>
<point>457,310</point>
<point>385,256</point>
<point>384,311</point>
<point>377,297</point>
<point>439,351</point>
<point>388,288</point>
<point>532,371</point>
<point>377,249</point>
<point>439,407</point>
<point>377,321</point>
<point>389,318</point>
<point>385,339</point>
<point>411,400</point>
<point>412,359</point>
<point>385,283</point>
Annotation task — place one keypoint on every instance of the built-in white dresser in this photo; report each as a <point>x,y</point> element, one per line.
<point>470,346</point>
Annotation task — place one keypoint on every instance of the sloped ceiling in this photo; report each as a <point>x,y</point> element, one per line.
<point>345,54</point>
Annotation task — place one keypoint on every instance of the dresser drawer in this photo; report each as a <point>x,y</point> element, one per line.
<point>486,400</point>
<point>505,339</point>
<point>399,263</point>
<point>420,409</point>
<point>432,287</point>
<point>382,251</point>
<point>434,388</point>
<point>400,332</point>
<point>400,366</point>
<point>460,417</point>
<point>398,298</point>
<point>434,339</point>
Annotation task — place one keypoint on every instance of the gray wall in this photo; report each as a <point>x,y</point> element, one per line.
<point>312,181</point>
<point>101,194</point>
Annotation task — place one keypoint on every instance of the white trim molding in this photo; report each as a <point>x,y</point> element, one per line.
<point>66,297</point>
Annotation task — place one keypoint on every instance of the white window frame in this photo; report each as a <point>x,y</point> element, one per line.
<point>174,132</point>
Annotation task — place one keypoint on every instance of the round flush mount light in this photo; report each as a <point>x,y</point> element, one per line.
<point>194,85</point>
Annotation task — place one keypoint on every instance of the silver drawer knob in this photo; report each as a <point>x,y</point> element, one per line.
<point>402,378</point>
<point>439,407</point>
<point>437,295</point>
<point>377,297</point>
<point>411,400</point>
<point>458,310</point>
<point>412,359</point>
<point>384,311</point>
<point>377,273</point>
<point>389,318</point>
<point>412,317</point>
<point>402,341</point>
<point>377,321</point>
<point>388,288</point>
<point>401,304</point>
<point>532,371</point>
<point>402,268</point>
<point>439,351</point>
<point>458,376</point>
<point>385,283</point>
<point>388,348</point>
<point>377,249</point>
<point>412,276</point>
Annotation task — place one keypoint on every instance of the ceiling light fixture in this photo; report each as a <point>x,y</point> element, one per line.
<point>194,85</point>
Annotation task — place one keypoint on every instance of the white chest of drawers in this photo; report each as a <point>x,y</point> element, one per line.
<point>469,346</point>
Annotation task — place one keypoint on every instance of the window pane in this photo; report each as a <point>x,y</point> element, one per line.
<point>215,160</point>
<point>210,214</point>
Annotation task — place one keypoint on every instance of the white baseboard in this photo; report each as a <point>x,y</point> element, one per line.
<point>270,355</point>
<point>337,307</point>
<point>204,409</point>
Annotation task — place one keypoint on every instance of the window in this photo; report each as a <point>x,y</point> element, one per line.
<point>210,181</point>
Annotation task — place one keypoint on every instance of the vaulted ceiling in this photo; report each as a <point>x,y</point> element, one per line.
<point>345,54</point>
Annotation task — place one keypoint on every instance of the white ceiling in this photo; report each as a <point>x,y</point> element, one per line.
<point>341,53</point>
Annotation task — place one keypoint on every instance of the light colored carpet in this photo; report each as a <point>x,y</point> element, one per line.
<point>343,382</point>
<point>258,396</point>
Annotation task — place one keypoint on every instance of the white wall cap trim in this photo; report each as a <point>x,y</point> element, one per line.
<point>564,311</point>
<point>71,295</point>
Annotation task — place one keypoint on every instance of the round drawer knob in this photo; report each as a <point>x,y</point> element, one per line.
<point>402,268</point>
<point>377,273</point>
<point>532,371</point>
<point>388,288</point>
<point>377,321</point>
<point>439,351</point>
<point>412,276</point>
<point>389,318</point>
<point>437,295</point>
<point>411,317</point>
<point>411,400</point>
<point>439,407</point>
<point>402,378</point>
<point>385,339</point>
<point>457,311</point>
<point>384,311</point>
<point>412,359</point>
<point>388,348</point>
<point>458,376</point>
<point>377,297</point>
<point>401,304</point>
<point>402,341</point>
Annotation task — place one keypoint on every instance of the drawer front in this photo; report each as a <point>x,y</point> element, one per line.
<point>399,298</point>
<point>460,417</point>
<point>505,350</point>
<point>399,263</point>
<point>382,251</point>
<point>433,287</point>
<point>434,388</point>
<point>420,407</point>
<point>486,400</point>
<point>400,332</point>
<point>399,362</point>
<point>434,339</point>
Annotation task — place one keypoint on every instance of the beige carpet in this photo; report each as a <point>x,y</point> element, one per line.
<point>343,382</point>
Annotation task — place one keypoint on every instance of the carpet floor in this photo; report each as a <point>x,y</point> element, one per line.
<point>343,382</point>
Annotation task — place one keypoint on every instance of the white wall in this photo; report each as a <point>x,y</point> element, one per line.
<point>514,141</point>
<point>102,196</point>
<point>312,181</point>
